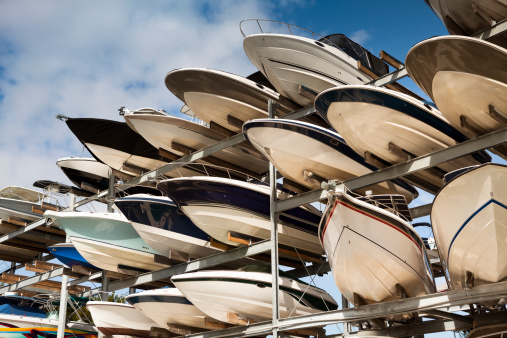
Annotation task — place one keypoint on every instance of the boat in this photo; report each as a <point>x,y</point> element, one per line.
<point>225,208</point>
<point>18,202</point>
<point>374,253</point>
<point>468,218</point>
<point>469,91</point>
<point>112,318</point>
<point>169,309</point>
<point>180,137</point>
<point>308,154</point>
<point>245,296</point>
<point>389,127</point>
<point>85,172</point>
<point>108,241</point>
<point>68,255</point>
<point>224,99</point>
<point>27,317</point>
<point>121,148</point>
<point>469,17</point>
<point>301,67</point>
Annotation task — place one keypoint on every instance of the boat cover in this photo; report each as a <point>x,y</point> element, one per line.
<point>19,193</point>
<point>23,306</point>
<point>358,52</point>
<point>111,134</point>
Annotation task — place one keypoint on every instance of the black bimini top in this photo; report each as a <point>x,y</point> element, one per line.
<point>358,52</point>
<point>111,134</point>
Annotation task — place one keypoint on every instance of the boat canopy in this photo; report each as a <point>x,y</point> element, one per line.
<point>19,193</point>
<point>111,134</point>
<point>356,51</point>
<point>22,306</point>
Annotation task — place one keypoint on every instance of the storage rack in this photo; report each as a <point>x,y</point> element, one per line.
<point>439,306</point>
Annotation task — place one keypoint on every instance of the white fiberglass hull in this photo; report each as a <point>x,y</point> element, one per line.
<point>214,96</point>
<point>469,218</point>
<point>112,257</point>
<point>120,319</point>
<point>401,122</point>
<point>220,294</point>
<point>296,148</point>
<point>87,165</point>
<point>117,159</point>
<point>219,220</point>
<point>372,252</point>
<point>461,95</point>
<point>289,61</point>
<point>163,131</point>
<point>168,307</point>
<point>17,208</point>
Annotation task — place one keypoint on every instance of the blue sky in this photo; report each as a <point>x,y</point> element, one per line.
<point>88,58</point>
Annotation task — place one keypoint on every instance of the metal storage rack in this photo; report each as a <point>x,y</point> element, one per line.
<point>439,306</point>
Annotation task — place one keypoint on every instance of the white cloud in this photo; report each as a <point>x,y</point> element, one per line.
<point>361,36</point>
<point>87,59</point>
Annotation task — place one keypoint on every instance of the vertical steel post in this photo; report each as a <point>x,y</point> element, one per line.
<point>274,235</point>
<point>346,327</point>
<point>110,192</point>
<point>63,307</point>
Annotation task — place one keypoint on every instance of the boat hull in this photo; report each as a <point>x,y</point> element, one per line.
<point>85,170</point>
<point>168,306</point>
<point>214,95</point>
<point>290,61</point>
<point>374,255</point>
<point>120,319</point>
<point>373,119</point>
<point>296,147</point>
<point>68,255</point>
<point>18,208</point>
<point>470,228</point>
<point>163,131</point>
<point>459,95</point>
<point>248,295</point>
<point>220,206</point>
<point>107,241</point>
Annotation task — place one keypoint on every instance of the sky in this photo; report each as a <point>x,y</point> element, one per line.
<point>89,58</point>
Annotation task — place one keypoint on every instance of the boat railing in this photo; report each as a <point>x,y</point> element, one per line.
<point>290,29</point>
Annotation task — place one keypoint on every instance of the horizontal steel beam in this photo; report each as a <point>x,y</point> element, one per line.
<point>420,211</point>
<point>390,78</point>
<point>500,27</point>
<point>85,279</point>
<point>22,230</point>
<point>362,313</point>
<point>198,264</point>
<point>33,280</point>
<point>411,166</point>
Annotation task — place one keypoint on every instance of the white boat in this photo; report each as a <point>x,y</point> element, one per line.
<point>223,207</point>
<point>120,147</point>
<point>119,319</point>
<point>18,202</point>
<point>468,17</point>
<point>470,92</point>
<point>375,255</point>
<point>308,154</point>
<point>169,309</point>
<point>301,67</point>
<point>85,171</point>
<point>243,296</point>
<point>108,241</point>
<point>392,127</point>
<point>469,223</point>
<point>224,98</point>
<point>175,134</point>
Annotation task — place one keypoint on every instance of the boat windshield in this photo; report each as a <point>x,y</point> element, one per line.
<point>356,51</point>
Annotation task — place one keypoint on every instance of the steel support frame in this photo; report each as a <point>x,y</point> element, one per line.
<point>33,280</point>
<point>411,166</point>
<point>434,301</point>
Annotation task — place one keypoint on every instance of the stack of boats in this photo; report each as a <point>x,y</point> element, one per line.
<point>374,252</point>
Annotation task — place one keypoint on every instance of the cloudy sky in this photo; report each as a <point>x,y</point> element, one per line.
<point>89,58</point>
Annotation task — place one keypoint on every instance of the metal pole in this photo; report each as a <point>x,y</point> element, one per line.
<point>110,193</point>
<point>274,235</point>
<point>63,307</point>
<point>104,295</point>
